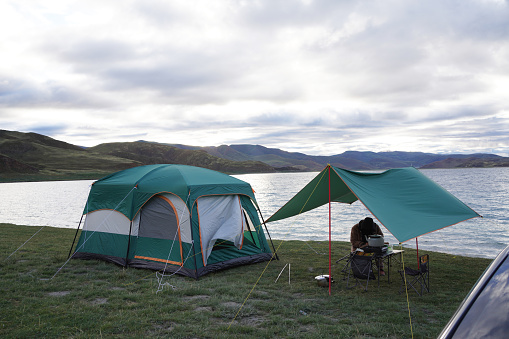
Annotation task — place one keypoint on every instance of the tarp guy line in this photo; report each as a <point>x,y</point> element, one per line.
<point>268,263</point>
<point>406,290</point>
<point>300,212</point>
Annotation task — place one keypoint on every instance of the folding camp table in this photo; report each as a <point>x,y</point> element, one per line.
<point>385,257</point>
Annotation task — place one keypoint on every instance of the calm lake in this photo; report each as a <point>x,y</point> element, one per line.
<point>485,190</point>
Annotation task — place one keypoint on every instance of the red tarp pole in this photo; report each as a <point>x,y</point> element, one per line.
<point>330,218</point>
<point>417,246</point>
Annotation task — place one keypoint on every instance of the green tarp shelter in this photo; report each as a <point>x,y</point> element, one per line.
<point>174,218</point>
<point>404,200</point>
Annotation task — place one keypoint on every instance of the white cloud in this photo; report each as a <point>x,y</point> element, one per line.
<point>315,76</point>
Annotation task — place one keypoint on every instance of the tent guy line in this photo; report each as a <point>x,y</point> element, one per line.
<point>24,243</point>
<point>86,239</point>
<point>161,276</point>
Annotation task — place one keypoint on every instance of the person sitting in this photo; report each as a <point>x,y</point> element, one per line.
<point>360,233</point>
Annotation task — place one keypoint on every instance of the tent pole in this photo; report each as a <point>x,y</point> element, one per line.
<point>263,222</point>
<point>129,243</point>
<point>131,218</point>
<point>330,222</point>
<point>249,228</point>
<point>77,230</point>
<point>417,246</point>
<point>196,274</point>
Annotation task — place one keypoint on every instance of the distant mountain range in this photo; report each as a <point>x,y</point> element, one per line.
<point>353,160</point>
<point>32,156</point>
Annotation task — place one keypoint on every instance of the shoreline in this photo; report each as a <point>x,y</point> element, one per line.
<point>4,177</point>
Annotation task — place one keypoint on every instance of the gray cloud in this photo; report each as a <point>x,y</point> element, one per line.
<point>20,93</point>
<point>332,73</point>
<point>50,129</point>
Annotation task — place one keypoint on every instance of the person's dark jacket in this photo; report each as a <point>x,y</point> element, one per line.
<point>357,239</point>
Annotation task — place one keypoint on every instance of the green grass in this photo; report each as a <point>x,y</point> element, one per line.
<point>97,299</point>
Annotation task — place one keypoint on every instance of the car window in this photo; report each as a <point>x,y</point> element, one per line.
<point>488,317</point>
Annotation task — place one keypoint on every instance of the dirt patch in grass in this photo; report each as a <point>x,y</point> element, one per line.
<point>99,301</point>
<point>80,273</point>
<point>203,309</point>
<point>307,329</point>
<point>196,297</point>
<point>164,327</point>
<point>253,320</point>
<point>253,300</point>
<point>59,293</point>
<point>117,288</point>
<point>261,293</point>
<point>232,304</point>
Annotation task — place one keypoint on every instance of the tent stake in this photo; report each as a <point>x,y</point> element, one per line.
<point>289,266</point>
<point>280,273</point>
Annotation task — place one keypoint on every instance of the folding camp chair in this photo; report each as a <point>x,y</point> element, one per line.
<point>360,269</point>
<point>416,278</point>
<point>346,267</point>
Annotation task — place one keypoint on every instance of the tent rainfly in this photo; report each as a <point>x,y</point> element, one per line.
<point>175,218</point>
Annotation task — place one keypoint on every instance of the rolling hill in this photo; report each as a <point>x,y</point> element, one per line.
<point>154,153</point>
<point>32,156</point>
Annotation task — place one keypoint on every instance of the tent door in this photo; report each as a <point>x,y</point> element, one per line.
<point>220,218</point>
<point>159,236</point>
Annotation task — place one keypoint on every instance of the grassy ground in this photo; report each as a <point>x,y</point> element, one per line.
<point>96,299</point>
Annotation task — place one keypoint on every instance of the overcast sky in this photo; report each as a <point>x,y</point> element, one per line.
<point>318,77</point>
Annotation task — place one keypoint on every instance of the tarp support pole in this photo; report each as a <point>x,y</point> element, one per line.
<point>75,235</point>
<point>417,247</point>
<point>263,222</point>
<point>330,222</point>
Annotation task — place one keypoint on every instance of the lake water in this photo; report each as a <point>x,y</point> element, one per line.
<point>486,190</point>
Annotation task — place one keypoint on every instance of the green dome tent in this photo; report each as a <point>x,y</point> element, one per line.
<point>176,218</point>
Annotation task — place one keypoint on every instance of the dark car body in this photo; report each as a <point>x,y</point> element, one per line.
<point>484,313</point>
